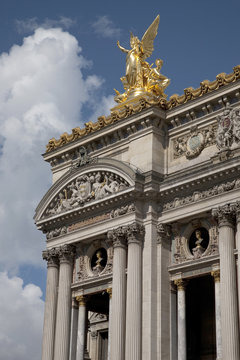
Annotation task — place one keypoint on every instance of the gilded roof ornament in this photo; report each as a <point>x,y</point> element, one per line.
<point>141,79</point>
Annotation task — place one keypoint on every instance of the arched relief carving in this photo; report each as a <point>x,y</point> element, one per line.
<point>85,185</point>
<point>85,188</point>
<point>85,269</point>
<point>183,251</point>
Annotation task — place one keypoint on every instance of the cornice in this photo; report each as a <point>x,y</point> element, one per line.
<point>142,104</point>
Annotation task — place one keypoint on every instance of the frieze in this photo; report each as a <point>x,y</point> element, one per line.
<point>200,195</point>
<point>84,189</point>
<point>122,210</point>
<point>191,145</point>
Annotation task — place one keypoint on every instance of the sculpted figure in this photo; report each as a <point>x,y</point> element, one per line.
<point>139,76</point>
<point>157,81</point>
<point>225,129</point>
<point>199,249</point>
<point>98,266</point>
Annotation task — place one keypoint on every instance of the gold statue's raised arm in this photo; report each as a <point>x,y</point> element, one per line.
<point>140,77</point>
<point>122,48</point>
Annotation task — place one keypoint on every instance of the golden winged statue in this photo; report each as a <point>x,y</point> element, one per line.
<point>140,76</point>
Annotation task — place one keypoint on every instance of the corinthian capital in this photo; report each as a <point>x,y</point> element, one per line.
<point>51,256</point>
<point>66,253</point>
<point>117,236</point>
<point>237,204</point>
<point>225,215</point>
<point>135,233</point>
<point>164,232</point>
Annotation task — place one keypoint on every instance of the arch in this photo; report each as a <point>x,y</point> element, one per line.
<point>89,183</point>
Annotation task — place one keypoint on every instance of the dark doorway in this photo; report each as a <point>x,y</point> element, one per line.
<point>200,312</point>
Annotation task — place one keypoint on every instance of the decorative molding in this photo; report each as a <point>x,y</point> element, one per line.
<point>181,284</point>
<point>192,145</point>
<point>66,253</point>
<point>51,256</point>
<point>82,159</point>
<point>164,233</point>
<point>84,189</point>
<point>200,195</point>
<point>118,237</point>
<point>216,275</point>
<point>175,100</point>
<point>135,233</point>
<point>225,215</point>
<point>82,300</point>
<point>122,210</point>
<point>109,291</point>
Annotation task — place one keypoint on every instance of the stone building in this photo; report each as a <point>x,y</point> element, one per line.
<point>142,228</point>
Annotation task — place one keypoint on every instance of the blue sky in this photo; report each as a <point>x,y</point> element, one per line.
<point>60,76</point>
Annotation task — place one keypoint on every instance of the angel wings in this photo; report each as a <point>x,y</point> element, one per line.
<point>136,67</point>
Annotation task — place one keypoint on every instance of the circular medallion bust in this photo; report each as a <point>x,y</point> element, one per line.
<point>99,260</point>
<point>198,242</point>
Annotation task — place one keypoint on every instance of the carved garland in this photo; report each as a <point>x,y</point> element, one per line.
<point>192,145</point>
<point>200,195</point>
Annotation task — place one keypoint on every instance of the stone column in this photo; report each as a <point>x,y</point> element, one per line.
<point>117,329</point>
<point>109,291</point>
<point>135,236</point>
<point>216,276</point>
<point>50,304</point>
<point>173,322</point>
<point>81,336</point>
<point>73,332</point>
<point>181,308</point>
<point>228,285</point>
<point>62,337</point>
<point>238,247</point>
<point>163,290</point>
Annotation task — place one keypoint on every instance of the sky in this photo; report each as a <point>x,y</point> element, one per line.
<point>59,64</point>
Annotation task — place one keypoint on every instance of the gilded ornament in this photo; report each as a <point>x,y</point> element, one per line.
<point>140,78</point>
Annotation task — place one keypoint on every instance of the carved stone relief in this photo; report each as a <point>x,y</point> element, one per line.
<point>200,195</point>
<point>191,145</point>
<point>82,158</point>
<point>228,131</point>
<point>201,247</point>
<point>86,188</point>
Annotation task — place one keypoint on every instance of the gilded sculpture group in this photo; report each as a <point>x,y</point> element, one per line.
<point>140,76</point>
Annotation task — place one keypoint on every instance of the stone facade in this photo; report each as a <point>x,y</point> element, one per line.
<point>142,212</point>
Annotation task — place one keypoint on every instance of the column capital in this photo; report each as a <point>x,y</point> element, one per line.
<point>181,284</point>
<point>237,204</point>
<point>109,291</point>
<point>163,234</point>
<point>135,233</point>
<point>51,256</point>
<point>118,237</point>
<point>216,275</point>
<point>225,215</point>
<point>82,300</point>
<point>66,253</point>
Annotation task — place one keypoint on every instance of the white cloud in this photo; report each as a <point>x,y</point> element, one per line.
<point>31,24</point>
<point>21,319</point>
<point>42,94</point>
<point>105,27</point>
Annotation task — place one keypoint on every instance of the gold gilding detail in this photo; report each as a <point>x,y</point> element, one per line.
<point>216,275</point>
<point>109,291</point>
<point>144,101</point>
<point>181,284</point>
<point>81,300</point>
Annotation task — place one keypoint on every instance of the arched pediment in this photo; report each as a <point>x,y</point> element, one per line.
<point>87,184</point>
